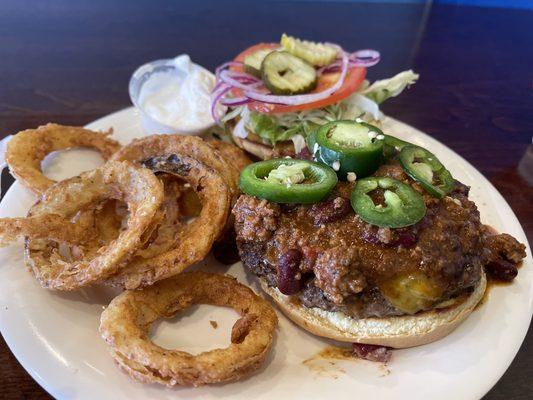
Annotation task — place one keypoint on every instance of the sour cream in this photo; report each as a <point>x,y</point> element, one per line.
<point>173,96</point>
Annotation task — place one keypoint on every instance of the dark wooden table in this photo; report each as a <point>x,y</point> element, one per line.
<point>69,62</point>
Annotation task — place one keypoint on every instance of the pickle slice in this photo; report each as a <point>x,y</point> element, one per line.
<point>318,54</point>
<point>286,74</point>
<point>252,62</point>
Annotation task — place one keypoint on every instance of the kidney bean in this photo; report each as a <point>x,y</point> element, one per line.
<point>406,238</point>
<point>372,352</point>
<point>330,210</point>
<point>289,277</point>
<point>370,235</point>
<point>305,154</point>
<point>400,237</point>
<point>502,270</point>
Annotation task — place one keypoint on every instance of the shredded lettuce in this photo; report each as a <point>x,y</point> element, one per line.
<point>268,128</point>
<point>233,113</point>
<point>362,104</point>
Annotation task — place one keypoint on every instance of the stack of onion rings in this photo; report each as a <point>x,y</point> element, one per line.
<point>194,161</point>
<point>167,246</point>
<point>128,224</point>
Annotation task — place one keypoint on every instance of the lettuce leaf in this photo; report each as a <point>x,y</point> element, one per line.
<point>383,89</point>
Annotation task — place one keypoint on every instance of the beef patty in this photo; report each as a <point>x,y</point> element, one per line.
<point>327,257</point>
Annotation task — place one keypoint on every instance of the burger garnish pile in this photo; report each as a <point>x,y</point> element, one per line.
<point>278,93</point>
<point>357,235</point>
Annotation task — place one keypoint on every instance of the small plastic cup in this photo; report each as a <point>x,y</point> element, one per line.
<point>150,125</point>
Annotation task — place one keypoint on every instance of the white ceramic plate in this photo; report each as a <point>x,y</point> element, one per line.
<point>55,337</point>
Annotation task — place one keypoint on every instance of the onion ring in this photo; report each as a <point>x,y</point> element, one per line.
<point>28,148</point>
<point>49,226</point>
<point>233,155</point>
<point>126,322</point>
<point>138,187</point>
<point>167,223</point>
<point>214,181</point>
<point>238,159</point>
<point>216,156</point>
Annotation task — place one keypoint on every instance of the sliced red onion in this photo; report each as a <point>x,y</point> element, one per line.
<point>244,75</point>
<point>234,102</point>
<point>235,80</point>
<point>221,90</point>
<point>241,75</point>
<point>253,85</point>
<point>257,85</point>
<point>217,86</point>
<point>244,79</point>
<point>334,66</point>
<point>217,95</point>
<point>366,54</point>
<point>365,58</point>
<point>225,66</point>
<point>361,58</point>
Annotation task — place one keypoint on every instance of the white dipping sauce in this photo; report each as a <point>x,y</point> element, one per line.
<point>181,97</point>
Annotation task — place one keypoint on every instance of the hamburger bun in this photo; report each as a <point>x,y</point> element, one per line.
<point>397,332</point>
<point>261,150</point>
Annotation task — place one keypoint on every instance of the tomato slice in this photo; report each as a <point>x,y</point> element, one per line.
<point>254,48</point>
<point>353,80</point>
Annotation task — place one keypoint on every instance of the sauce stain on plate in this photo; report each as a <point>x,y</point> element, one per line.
<point>326,362</point>
<point>337,353</point>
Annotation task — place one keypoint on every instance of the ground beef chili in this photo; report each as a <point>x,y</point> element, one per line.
<point>505,253</point>
<point>327,257</point>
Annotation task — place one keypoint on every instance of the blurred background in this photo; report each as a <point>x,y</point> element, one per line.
<point>46,46</point>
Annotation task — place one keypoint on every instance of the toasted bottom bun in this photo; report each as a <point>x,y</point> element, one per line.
<point>398,332</point>
<point>259,150</point>
<point>264,151</point>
